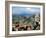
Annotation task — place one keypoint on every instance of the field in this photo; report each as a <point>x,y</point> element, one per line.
<point>26,20</point>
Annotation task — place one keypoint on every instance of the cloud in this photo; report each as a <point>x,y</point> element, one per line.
<point>22,10</point>
<point>33,10</point>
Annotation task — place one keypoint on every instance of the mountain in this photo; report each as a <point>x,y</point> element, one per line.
<point>23,14</point>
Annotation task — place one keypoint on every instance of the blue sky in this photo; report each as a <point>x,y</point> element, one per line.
<point>25,10</point>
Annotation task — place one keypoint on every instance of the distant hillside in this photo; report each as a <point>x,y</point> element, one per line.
<point>22,14</point>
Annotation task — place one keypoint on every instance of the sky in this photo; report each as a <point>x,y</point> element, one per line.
<point>25,10</point>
